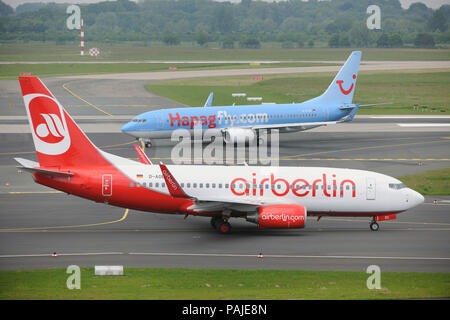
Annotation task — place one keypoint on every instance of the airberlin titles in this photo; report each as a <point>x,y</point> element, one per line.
<point>299,187</point>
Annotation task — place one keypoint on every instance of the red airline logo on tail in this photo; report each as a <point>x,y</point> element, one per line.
<point>346,92</point>
<point>49,125</point>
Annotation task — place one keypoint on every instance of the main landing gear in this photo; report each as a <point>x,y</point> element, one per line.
<point>221,224</point>
<point>374,225</point>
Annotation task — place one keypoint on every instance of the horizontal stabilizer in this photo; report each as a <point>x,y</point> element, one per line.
<point>33,167</point>
<point>375,104</point>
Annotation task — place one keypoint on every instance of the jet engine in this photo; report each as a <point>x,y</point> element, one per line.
<point>283,216</point>
<point>231,135</point>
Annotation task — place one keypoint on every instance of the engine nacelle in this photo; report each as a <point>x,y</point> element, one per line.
<point>280,216</point>
<point>238,135</point>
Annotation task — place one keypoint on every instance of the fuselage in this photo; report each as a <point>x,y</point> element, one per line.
<point>160,124</point>
<point>323,191</point>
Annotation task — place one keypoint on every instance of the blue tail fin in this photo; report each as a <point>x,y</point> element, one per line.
<point>342,88</point>
<point>208,102</point>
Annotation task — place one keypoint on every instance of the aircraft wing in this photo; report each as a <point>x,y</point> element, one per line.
<point>299,125</point>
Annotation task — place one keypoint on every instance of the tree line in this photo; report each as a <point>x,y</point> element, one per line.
<point>293,23</point>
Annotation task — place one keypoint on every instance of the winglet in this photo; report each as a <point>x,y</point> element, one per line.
<point>208,102</point>
<point>173,186</point>
<point>142,156</point>
<point>352,114</point>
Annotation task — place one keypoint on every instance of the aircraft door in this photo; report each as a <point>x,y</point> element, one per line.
<point>370,189</point>
<point>160,121</point>
<point>107,185</point>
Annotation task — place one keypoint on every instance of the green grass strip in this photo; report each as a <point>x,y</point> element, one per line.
<point>403,88</point>
<point>140,283</point>
<point>435,182</point>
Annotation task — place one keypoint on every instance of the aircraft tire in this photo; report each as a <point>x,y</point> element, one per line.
<point>374,226</point>
<point>224,227</point>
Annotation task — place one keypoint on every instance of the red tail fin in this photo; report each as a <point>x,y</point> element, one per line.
<point>59,142</point>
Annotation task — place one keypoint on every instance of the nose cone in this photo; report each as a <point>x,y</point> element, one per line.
<point>415,198</point>
<point>130,129</point>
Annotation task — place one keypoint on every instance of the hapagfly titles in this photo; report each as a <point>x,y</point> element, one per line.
<point>231,310</point>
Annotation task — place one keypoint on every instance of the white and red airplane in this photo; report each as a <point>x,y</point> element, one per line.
<point>271,197</point>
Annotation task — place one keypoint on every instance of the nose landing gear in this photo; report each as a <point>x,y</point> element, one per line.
<point>374,225</point>
<point>147,142</point>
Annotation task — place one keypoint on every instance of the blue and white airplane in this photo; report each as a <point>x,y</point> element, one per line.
<point>332,107</point>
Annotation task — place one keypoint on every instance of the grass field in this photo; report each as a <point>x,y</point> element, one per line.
<point>11,71</point>
<point>435,182</point>
<point>70,52</point>
<point>138,283</point>
<point>403,88</point>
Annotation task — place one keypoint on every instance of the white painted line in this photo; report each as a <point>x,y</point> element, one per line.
<point>408,117</point>
<point>221,255</point>
<point>423,124</point>
<point>59,254</point>
<point>283,256</point>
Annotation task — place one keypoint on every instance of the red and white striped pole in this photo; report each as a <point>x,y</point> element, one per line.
<point>82,38</point>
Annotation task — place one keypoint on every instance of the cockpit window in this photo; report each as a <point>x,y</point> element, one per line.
<point>139,120</point>
<point>396,186</point>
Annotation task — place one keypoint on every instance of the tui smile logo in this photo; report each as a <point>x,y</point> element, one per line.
<point>340,82</point>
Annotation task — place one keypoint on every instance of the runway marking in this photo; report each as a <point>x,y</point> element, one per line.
<point>90,104</point>
<point>225,255</point>
<point>65,227</point>
<point>365,148</point>
<point>410,117</point>
<point>282,256</point>
<point>423,124</point>
<point>101,147</point>
<point>311,159</point>
<point>389,222</point>
<point>59,254</point>
<point>33,192</point>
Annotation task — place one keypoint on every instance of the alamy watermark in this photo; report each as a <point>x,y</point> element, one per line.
<point>374,280</point>
<point>374,20</point>
<point>74,280</point>
<point>228,146</point>
<point>73,22</point>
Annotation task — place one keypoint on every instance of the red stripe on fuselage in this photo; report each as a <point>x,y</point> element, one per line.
<point>352,214</point>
